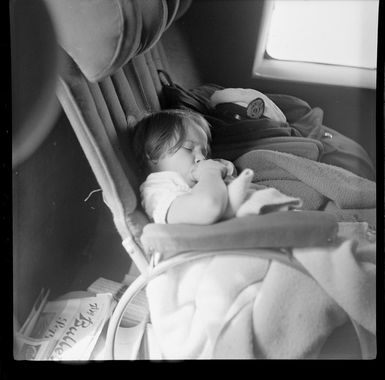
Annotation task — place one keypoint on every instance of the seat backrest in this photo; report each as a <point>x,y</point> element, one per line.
<point>111,52</point>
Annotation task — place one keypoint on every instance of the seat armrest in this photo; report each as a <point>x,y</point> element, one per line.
<point>287,229</point>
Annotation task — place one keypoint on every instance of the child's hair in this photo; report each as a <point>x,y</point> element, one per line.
<point>163,132</point>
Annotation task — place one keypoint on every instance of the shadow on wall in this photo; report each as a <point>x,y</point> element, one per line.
<point>222,36</point>
<point>52,225</point>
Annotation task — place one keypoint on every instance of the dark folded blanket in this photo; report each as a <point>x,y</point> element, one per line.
<point>346,189</point>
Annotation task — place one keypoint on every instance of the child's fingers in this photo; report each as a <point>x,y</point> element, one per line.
<point>247,173</point>
<point>208,165</point>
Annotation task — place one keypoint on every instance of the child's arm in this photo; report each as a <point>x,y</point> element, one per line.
<point>207,201</point>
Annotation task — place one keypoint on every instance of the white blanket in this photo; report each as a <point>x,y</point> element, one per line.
<point>236,306</point>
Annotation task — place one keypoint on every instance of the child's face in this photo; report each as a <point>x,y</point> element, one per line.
<point>194,149</point>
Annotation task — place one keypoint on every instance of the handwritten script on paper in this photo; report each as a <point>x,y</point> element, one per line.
<point>67,329</point>
<point>73,332</point>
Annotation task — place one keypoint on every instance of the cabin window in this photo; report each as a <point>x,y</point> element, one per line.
<point>332,42</point>
<point>331,32</point>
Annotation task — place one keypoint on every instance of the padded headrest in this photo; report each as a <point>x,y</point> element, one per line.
<point>103,35</point>
<point>99,35</point>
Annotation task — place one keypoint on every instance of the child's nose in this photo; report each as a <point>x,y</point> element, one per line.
<point>199,157</point>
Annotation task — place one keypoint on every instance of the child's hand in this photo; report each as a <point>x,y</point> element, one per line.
<point>207,167</point>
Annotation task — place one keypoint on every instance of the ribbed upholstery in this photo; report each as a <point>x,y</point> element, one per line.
<point>127,100</point>
<point>153,71</point>
<point>98,113</point>
<point>144,80</point>
<point>103,112</point>
<point>125,95</point>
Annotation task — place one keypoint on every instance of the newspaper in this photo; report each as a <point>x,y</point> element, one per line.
<point>66,329</point>
<point>33,349</point>
<point>74,326</point>
<point>136,311</point>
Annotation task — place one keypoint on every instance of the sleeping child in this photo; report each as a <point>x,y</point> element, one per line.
<point>183,185</point>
